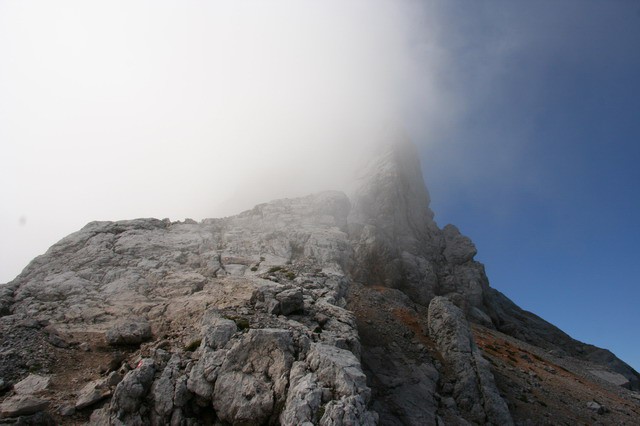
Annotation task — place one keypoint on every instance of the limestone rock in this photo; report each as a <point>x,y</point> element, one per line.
<point>197,381</point>
<point>329,377</point>
<point>413,387</point>
<point>254,377</point>
<point>391,223</point>
<point>100,417</point>
<point>67,410</point>
<point>130,331</point>
<point>514,321</point>
<point>41,418</point>
<point>130,393</point>
<point>55,338</point>
<point>458,248</point>
<point>163,390</point>
<point>33,383</point>
<point>611,377</point>
<point>475,390</point>
<point>340,368</point>
<point>291,301</point>
<point>598,408</point>
<point>6,298</point>
<point>20,405</point>
<point>304,397</point>
<point>92,393</point>
<point>216,331</point>
<point>242,398</point>
<point>326,309</point>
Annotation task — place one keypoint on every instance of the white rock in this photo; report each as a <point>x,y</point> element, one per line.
<point>130,331</point>
<point>92,393</point>
<point>20,405</point>
<point>33,383</point>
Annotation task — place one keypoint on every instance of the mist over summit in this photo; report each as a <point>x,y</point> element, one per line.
<point>325,309</point>
<point>522,115</point>
<point>145,109</point>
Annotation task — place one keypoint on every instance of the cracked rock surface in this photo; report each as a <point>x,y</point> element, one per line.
<point>474,389</point>
<point>329,309</point>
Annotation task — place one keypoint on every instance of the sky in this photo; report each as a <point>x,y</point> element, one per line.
<point>542,169</point>
<point>525,114</point>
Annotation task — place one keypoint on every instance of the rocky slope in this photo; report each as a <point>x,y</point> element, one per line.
<point>328,309</point>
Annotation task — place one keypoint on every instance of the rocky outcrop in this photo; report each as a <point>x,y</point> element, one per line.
<point>474,389</point>
<point>510,319</point>
<point>128,402</point>
<point>328,309</point>
<point>20,405</point>
<point>33,383</point>
<point>251,382</point>
<point>130,331</point>
<point>244,310</point>
<point>262,376</point>
<point>97,390</point>
<point>396,242</point>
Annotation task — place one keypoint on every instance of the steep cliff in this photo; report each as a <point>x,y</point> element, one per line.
<point>329,309</point>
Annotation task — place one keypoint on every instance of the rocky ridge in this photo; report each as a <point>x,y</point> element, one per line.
<point>328,309</point>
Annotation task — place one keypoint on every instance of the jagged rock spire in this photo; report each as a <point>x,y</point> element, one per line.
<point>391,194</point>
<point>391,224</point>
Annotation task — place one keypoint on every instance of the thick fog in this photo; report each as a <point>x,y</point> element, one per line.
<point>115,110</point>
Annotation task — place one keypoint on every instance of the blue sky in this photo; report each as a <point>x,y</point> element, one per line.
<point>543,169</point>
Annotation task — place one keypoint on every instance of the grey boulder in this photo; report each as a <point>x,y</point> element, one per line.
<point>20,405</point>
<point>130,331</point>
<point>33,383</point>
<point>291,301</point>
<point>475,391</point>
<point>92,393</point>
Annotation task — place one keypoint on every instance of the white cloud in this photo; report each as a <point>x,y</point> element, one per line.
<point>114,110</point>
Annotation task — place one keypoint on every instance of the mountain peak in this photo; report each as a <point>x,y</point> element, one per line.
<point>390,191</point>
<point>324,309</point>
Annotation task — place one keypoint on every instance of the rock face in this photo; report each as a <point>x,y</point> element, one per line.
<point>474,389</point>
<point>33,383</point>
<point>130,331</point>
<point>328,309</point>
<point>92,393</point>
<point>22,404</point>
